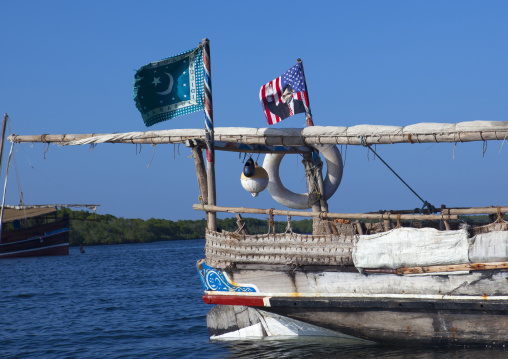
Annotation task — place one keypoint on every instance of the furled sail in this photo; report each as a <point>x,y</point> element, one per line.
<point>354,135</point>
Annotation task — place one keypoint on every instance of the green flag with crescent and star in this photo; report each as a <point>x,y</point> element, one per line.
<point>171,87</point>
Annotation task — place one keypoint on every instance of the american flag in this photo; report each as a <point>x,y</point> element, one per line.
<point>285,96</point>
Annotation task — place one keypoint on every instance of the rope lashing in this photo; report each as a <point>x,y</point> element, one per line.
<point>426,204</point>
<point>271,222</point>
<point>289,229</point>
<point>200,199</point>
<point>499,216</point>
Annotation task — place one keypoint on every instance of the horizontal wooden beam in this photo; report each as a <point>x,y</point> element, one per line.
<point>452,268</point>
<point>310,136</point>
<point>244,148</point>
<point>207,208</point>
<point>265,140</point>
<point>475,210</point>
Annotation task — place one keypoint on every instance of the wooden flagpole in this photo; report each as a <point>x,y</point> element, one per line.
<point>308,115</point>
<point>209,134</point>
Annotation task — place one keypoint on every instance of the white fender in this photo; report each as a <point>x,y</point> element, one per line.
<point>301,200</point>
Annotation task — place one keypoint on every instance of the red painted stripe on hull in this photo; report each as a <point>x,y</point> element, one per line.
<point>234,300</point>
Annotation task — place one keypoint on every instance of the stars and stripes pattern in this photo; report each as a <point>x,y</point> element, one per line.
<point>284,96</point>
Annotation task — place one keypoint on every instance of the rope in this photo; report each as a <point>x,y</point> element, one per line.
<point>45,149</point>
<point>426,204</point>
<point>200,199</point>
<point>500,148</point>
<point>241,227</point>
<point>500,216</point>
<point>289,229</point>
<point>18,180</point>
<point>153,155</point>
<point>398,221</point>
<point>271,222</point>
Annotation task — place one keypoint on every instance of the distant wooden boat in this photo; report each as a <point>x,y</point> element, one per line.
<point>35,230</point>
<point>30,231</point>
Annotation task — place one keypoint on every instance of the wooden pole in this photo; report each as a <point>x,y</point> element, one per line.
<point>277,212</point>
<point>201,173</point>
<point>318,175</point>
<point>276,138</point>
<point>307,162</point>
<point>209,133</point>
<point>309,114</point>
<point>4,126</point>
<point>477,210</point>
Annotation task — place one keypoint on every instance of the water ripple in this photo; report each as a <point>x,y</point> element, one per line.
<point>140,301</point>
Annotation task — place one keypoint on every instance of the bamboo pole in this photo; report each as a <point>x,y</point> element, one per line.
<point>277,138</point>
<point>277,212</point>
<point>477,210</point>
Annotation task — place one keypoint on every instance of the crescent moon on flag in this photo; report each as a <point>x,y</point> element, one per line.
<point>170,87</point>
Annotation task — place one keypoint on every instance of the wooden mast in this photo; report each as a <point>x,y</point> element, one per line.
<point>4,126</point>
<point>322,206</point>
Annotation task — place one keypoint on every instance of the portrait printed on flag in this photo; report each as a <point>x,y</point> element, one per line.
<point>288,106</point>
<point>285,96</point>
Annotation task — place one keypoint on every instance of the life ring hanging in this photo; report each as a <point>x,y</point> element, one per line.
<point>281,194</point>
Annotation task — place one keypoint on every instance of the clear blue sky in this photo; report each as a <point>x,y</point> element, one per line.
<point>68,67</point>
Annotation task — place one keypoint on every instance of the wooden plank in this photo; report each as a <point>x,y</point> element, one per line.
<point>452,268</point>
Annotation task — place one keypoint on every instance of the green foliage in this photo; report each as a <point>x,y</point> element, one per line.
<point>88,228</point>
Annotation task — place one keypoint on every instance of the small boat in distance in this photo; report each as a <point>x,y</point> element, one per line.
<point>32,230</point>
<point>29,231</point>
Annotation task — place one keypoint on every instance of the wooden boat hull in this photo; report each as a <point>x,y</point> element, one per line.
<point>468,308</point>
<point>44,240</point>
<point>409,322</point>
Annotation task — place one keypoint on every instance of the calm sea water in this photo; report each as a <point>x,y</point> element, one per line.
<point>141,301</point>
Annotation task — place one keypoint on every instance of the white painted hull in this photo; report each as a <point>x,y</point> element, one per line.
<point>441,309</point>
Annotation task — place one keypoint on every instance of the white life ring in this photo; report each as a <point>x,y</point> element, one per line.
<point>294,200</point>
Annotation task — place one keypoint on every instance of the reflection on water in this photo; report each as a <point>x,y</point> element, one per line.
<point>327,348</point>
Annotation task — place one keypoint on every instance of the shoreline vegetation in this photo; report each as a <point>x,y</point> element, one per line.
<point>88,228</point>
